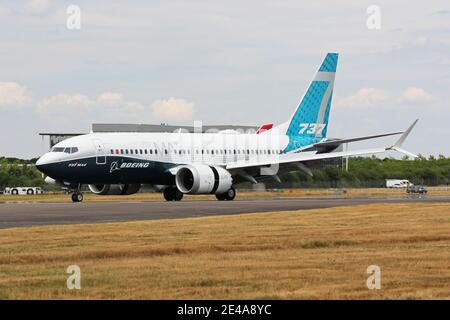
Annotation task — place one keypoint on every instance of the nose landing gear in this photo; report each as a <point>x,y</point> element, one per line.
<point>77,195</point>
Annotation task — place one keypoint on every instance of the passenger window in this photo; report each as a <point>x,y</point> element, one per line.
<point>126,151</point>
<point>112,151</point>
<point>151,151</point>
<point>156,151</point>
<point>121,151</point>
<point>131,151</point>
<point>140,151</point>
<point>145,150</point>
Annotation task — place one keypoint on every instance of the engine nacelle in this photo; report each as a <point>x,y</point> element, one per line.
<point>202,179</point>
<point>114,189</point>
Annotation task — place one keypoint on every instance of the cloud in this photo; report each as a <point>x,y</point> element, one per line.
<point>62,103</point>
<point>415,95</point>
<point>110,99</point>
<point>172,109</point>
<point>364,97</point>
<point>368,97</point>
<point>36,7</point>
<point>112,105</point>
<point>13,95</point>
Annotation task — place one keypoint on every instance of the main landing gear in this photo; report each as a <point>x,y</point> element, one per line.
<point>77,196</point>
<point>229,195</point>
<point>172,194</point>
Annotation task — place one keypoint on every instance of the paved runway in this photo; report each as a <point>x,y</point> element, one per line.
<point>35,214</point>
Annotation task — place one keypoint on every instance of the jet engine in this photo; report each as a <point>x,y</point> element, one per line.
<point>114,189</point>
<point>202,179</point>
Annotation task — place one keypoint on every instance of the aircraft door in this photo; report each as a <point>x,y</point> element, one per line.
<point>99,152</point>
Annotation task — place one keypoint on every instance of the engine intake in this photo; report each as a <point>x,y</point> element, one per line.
<point>203,179</point>
<point>114,189</point>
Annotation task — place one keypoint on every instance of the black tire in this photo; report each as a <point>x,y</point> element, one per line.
<point>30,191</point>
<point>220,196</point>
<point>178,195</point>
<point>14,191</point>
<point>230,194</point>
<point>169,194</point>
<point>77,197</point>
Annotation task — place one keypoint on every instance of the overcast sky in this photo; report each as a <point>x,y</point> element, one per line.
<point>222,62</point>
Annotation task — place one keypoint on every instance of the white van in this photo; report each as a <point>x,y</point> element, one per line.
<point>397,183</point>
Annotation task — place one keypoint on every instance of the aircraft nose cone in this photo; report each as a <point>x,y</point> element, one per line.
<point>42,163</point>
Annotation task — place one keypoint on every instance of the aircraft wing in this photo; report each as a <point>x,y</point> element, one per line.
<point>313,155</point>
<point>337,142</point>
<point>300,157</point>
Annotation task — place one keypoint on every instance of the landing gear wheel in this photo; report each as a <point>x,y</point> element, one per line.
<point>77,197</point>
<point>177,194</point>
<point>168,194</point>
<point>230,194</point>
<point>220,196</point>
<point>172,194</point>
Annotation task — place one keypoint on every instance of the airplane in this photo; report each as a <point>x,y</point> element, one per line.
<point>206,163</point>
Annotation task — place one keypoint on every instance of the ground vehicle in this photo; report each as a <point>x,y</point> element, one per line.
<point>416,189</point>
<point>397,183</point>
<point>22,190</point>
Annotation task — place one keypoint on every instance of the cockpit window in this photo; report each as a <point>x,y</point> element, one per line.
<point>65,149</point>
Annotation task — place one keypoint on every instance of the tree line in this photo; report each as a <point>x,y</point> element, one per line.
<point>362,172</point>
<point>373,172</point>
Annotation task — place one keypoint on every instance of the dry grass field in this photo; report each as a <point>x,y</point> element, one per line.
<point>247,195</point>
<point>311,254</point>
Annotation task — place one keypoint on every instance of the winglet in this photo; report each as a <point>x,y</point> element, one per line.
<point>397,146</point>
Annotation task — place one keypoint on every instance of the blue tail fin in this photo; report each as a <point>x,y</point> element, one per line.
<point>310,120</point>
